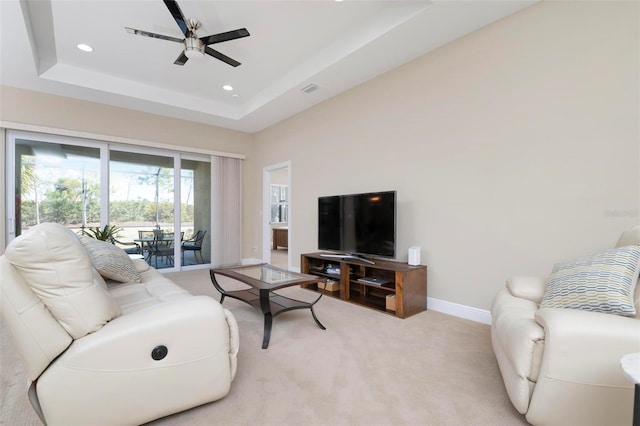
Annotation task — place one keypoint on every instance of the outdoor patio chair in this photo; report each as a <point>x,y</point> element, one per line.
<point>129,247</point>
<point>146,238</point>
<point>194,244</point>
<point>162,248</point>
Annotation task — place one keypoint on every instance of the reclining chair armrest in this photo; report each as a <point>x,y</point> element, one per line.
<point>527,287</point>
<point>234,341</point>
<point>190,328</point>
<point>585,347</point>
<point>581,380</point>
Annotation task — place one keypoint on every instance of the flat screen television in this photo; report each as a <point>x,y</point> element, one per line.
<point>358,224</point>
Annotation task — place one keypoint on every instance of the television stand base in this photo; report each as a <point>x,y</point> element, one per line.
<point>349,256</point>
<point>398,289</point>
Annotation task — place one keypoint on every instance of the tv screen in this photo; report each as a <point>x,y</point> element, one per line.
<point>362,224</point>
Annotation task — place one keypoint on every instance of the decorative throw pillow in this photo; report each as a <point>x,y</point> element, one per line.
<point>111,261</point>
<point>602,282</point>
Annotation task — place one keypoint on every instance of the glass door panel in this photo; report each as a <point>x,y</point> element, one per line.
<point>195,210</point>
<point>141,203</point>
<point>64,180</point>
<point>58,183</point>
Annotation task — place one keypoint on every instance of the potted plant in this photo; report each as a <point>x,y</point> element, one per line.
<point>108,233</point>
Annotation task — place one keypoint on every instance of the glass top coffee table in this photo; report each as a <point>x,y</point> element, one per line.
<point>263,280</point>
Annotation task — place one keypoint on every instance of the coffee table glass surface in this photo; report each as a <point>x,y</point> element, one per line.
<point>267,276</point>
<point>263,280</point>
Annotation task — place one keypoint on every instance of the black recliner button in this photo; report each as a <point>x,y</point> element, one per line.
<point>159,352</point>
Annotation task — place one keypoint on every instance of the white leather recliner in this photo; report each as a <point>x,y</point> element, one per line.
<point>562,366</point>
<point>109,353</point>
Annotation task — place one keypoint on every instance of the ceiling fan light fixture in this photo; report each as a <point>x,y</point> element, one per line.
<point>193,48</point>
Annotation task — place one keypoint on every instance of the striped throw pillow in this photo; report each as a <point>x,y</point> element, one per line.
<point>602,282</point>
<point>111,261</point>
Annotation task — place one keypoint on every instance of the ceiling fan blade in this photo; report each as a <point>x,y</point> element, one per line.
<point>173,7</point>
<point>152,35</point>
<point>182,59</point>
<point>229,35</point>
<point>223,58</point>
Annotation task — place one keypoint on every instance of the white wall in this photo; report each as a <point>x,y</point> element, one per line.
<point>511,149</point>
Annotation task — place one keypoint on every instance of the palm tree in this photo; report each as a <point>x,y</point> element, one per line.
<point>29,181</point>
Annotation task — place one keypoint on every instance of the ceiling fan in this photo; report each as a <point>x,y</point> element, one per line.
<point>194,45</point>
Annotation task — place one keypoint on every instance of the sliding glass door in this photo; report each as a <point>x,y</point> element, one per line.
<point>141,193</point>
<point>195,182</point>
<point>56,182</point>
<point>161,200</point>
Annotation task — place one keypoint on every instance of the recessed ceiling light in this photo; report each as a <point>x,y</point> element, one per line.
<point>235,95</point>
<point>85,47</point>
<point>227,87</point>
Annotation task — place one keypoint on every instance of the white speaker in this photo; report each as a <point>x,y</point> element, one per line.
<point>414,256</point>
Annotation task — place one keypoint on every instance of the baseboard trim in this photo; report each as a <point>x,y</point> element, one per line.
<point>462,311</point>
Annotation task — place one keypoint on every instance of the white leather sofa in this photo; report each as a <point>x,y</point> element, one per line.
<point>562,366</point>
<point>106,352</point>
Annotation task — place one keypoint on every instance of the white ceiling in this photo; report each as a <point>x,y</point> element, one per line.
<point>336,45</point>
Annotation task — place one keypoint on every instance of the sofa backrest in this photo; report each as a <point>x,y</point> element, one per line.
<point>630,237</point>
<point>36,334</point>
<point>50,295</point>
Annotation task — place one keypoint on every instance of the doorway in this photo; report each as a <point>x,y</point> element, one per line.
<point>276,245</point>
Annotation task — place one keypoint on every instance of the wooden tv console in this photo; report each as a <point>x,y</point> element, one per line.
<point>393,287</point>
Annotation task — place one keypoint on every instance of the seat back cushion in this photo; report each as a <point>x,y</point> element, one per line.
<point>630,237</point>
<point>37,336</point>
<point>636,299</point>
<point>53,262</point>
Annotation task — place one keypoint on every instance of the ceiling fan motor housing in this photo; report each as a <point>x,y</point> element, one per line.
<point>193,47</point>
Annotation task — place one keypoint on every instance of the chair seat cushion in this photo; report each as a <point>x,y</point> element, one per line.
<point>191,247</point>
<point>153,289</point>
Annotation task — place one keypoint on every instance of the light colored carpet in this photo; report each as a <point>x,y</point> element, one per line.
<point>367,368</point>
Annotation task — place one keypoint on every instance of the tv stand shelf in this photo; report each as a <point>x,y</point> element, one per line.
<point>371,285</point>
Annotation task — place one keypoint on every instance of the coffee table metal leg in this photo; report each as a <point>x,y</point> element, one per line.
<point>316,318</point>
<point>268,321</point>
<point>265,305</point>
<point>217,286</point>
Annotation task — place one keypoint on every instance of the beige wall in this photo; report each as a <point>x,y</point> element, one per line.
<point>511,149</point>
<point>22,106</point>
<point>49,111</point>
<point>3,197</point>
